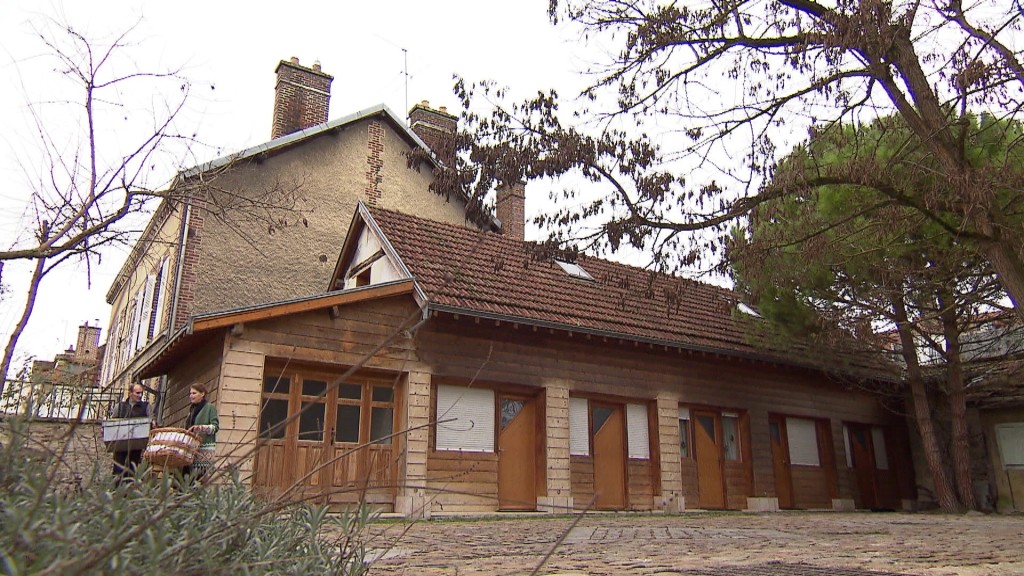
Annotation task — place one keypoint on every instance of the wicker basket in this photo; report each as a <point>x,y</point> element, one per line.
<point>171,447</point>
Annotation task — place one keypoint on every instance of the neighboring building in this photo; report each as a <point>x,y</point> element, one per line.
<point>266,224</point>
<point>78,366</point>
<point>992,353</point>
<point>455,370</point>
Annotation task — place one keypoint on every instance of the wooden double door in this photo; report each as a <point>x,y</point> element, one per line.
<point>327,440</point>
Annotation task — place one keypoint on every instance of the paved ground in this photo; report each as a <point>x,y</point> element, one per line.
<point>706,544</point>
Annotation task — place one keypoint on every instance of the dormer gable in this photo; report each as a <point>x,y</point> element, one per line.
<point>367,258</point>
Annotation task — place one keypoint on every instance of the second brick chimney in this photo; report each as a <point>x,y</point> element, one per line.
<point>437,130</point>
<point>511,209</point>
<point>302,97</point>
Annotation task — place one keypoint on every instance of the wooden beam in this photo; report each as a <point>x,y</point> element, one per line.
<point>305,305</point>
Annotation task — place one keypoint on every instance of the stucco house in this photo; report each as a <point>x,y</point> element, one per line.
<point>449,369</point>
<point>264,224</point>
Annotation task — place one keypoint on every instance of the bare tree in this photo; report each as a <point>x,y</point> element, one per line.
<point>91,189</point>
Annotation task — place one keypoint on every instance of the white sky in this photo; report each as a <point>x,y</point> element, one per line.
<point>235,47</point>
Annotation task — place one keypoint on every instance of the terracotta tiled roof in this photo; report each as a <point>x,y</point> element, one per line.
<point>484,273</point>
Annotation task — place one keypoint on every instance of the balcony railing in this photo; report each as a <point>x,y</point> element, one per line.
<point>57,401</point>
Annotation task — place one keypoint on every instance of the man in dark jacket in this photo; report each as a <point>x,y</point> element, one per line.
<point>133,406</point>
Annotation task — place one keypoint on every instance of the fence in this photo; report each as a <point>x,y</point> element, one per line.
<point>57,401</point>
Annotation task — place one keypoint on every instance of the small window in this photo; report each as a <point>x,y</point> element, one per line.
<point>1010,439</point>
<point>272,416</point>
<point>637,435</point>
<point>363,278</point>
<point>346,428</point>
<point>802,434</point>
<point>276,384</point>
<point>311,421</point>
<point>381,425</point>
<point>350,391</point>
<point>579,436</point>
<point>383,394</point>
<point>684,432</point>
<point>465,419</point>
<point>574,270</point>
<point>731,437</point>
<point>313,387</point>
<point>881,456</point>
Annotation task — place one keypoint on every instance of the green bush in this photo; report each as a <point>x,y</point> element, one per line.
<point>158,526</point>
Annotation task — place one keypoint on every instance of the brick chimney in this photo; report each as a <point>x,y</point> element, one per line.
<point>511,209</point>
<point>437,130</point>
<point>301,98</point>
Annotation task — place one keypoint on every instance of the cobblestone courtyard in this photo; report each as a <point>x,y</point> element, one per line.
<point>707,544</point>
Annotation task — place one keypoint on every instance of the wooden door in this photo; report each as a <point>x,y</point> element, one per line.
<point>780,461</point>
<point>609,425</point>
<point>517,454</point>
<point>708,451</point>
<point>863,456</point>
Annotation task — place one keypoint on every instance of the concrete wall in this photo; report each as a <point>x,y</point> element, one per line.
<point>243,263</point>
<point>1008,483</point>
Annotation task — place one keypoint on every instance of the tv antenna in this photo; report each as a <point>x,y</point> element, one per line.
<point>405,72</point>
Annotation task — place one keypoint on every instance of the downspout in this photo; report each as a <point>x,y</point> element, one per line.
<point>172,325</point>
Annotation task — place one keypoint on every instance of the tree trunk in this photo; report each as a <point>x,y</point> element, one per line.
<point>30,303</point>
<point>1008,266</point>
<point>922,412</point>
<point>957,406</point>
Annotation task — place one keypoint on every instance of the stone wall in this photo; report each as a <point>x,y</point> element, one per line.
<point>79,447</point>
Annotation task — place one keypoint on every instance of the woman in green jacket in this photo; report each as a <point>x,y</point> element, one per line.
<point>202,420</point>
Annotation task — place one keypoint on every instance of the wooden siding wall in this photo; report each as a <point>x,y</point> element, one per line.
<point>810,487</point>
<point>462,482</point>
<point>205,367</point>
<point>505,353</point>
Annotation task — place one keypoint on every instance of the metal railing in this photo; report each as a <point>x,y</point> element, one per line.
<point>57,401</point>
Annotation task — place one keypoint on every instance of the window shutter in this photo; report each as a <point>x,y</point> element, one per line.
<point>160,297</point>
<point>465,419</point>
<point>881,456</point>
<point>1010,438</point>
<point>579,427</point>
<point>133,326</point>
<point>637,432</point>
<point>145,312</point>
<point>803,442</point>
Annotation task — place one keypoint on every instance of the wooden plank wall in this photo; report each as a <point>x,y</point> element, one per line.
<point>488,351</point>
<point>810,487</point>
<point>462,482</point>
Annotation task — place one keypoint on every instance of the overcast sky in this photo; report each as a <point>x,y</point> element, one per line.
<point>229,51</point>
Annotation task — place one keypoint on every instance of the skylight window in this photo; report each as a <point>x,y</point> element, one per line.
<point>574,270</point>
<point>747,310</point>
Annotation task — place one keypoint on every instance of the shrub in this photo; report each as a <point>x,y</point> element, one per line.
<point>160,526</point>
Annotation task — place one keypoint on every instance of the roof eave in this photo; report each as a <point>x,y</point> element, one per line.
<point>661,342</point>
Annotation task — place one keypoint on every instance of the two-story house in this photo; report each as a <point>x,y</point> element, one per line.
<point>266,224</point>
